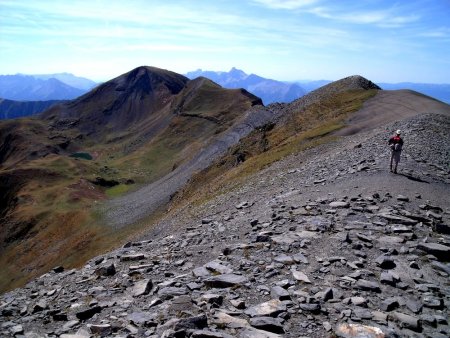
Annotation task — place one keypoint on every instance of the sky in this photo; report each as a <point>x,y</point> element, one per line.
<point>288,40</point>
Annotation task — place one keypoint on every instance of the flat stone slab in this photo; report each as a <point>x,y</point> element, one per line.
<point>223,319</point>
<point>284,259</point>
<point>398,219</point>
<point>129,258</point>
<point>225,281</point>
<point>271,308</point>
<point>442,252</point>
<point>406,321</point>
<point>366,285</point>
<point>390,240</point>
<point>300,276</point>
<point>270,324</point>
<point>338,204</point>
<point>218,267</point>
<point>307,234</point>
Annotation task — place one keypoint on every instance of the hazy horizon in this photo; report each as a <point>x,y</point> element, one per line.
<point>285,40</point>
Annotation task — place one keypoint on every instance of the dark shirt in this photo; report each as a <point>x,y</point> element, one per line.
<point>395,139</point>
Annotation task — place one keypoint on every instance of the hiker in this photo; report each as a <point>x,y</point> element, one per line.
<point>396,144</point>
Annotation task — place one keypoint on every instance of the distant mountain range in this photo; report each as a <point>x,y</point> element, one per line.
<point>24,95</point>
<point>62,86</point>
<point>268,90</point>
<point>437,91</point>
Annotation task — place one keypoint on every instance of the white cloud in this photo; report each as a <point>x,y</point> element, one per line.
<point>286,4</point>
<point>442,32</point>
<point>381,18</point>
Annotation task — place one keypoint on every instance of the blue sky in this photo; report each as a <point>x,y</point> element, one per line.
<point>383,40</point>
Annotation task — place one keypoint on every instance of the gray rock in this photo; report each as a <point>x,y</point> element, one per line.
<point>387,278</point>
<point>40,306</point>
<point>310,307</point>
<point>192,323</point>
<point>142,318</point>
<point>433,302</point>
<point>270,308</point>
<point>379,317</point>
<point>325,295</point>
<point>413,305</point>
<point>170,292</point>
<point>209,334</point>
<point>135,257</point>
<point>441,266</point>
<point>270,324</point>
<point>390,240</point>
<point>102,330</point>
<point>300,276</point>
<point>428,320</point>
<point>385,262</point>
<point>406,321</point>
<point>364,238</point>
<point>109,270</point>
<point>212,298</point>
<point>238,303</point>
<point>339,204</point>
<point>299,258</point>
<point>359,301</point>
<point>215,266</point>
<point>142,288</point>
<point>225,281</point>
<point>442,252</point>
<point>16,329</point>
<point>366,285</point>
<point>284,259</point>
<point>389,304</point>
<point>277,292</point>
<point>88,313</point>
<point>201,272</point>
<point>398,219</point>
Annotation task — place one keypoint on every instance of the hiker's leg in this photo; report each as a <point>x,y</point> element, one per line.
<point>392,158</point>
<point>396,160</point>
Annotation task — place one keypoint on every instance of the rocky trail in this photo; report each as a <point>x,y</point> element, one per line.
<point>324,243</point>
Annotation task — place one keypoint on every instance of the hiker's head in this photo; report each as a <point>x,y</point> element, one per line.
<point>398,132</point>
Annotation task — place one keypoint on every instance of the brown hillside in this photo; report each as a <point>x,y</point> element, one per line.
<point>57,167</point>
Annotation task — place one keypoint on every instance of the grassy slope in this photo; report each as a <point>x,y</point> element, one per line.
<point>302,130</point>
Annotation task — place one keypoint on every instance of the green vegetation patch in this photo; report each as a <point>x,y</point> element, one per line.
<point>117,190</point>
<point>84,156</point>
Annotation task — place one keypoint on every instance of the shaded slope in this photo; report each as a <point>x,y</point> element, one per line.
<point>10,109</point>
<point>120,103</point>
